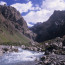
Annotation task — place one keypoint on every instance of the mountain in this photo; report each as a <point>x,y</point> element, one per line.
<point>54,27</point>
<point>13,28</point>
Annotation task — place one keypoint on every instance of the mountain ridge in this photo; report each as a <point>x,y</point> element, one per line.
<point>52,28</point>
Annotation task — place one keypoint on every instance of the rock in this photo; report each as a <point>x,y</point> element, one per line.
<point>40,62</point>
<point>35,49</point>
<point>23,46</point>
<point>54,60</point>
<point>46,44</point>
<point>12,47</point>
<point>30,34</point>
<point>43,58</point>
<point>5,49</point>
<point>15,50</point>
<point>46,61</point>
<point>37,59</point>
<point>47,52</point>
<point>1,52</point>
<point>60,44</point>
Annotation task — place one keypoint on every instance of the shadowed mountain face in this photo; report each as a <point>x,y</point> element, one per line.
<point>13,27</point>
<point>54,27</point>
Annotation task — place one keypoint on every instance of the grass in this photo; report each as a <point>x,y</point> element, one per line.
<point>16,39</point>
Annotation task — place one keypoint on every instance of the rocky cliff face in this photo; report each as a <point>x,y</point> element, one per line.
<point>54,27</point>
<point>12,20</point>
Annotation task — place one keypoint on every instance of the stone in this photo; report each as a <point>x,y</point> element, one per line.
<point>46,44</point>
<point>1,52</point>
<point>43,58</point>
<point>15,50</point>
<point>23,46</point>
<point>5,49</point>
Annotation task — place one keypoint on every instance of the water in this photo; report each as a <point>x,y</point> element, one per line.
<point>23,57</point>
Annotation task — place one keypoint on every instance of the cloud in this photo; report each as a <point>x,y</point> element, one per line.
<point>23,7</point>
<point>2,3</point>
<point>53,4</point>
<point>45,11</point>
<point>30,25</point>
<point>39,13</point>
<point>38,16</point>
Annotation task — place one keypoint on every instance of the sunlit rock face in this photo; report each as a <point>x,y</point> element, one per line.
<point>13,20</point>
<point>54,27</point>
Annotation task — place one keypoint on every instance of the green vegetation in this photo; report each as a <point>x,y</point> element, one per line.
<point>16,38</point>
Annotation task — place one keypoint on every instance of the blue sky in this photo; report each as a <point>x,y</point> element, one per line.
<point>9,2</point>
<point>34,11</point>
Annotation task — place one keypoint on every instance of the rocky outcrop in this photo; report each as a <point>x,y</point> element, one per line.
<point>52,60</point>
<point>8,49</point>
<point>54,46</point>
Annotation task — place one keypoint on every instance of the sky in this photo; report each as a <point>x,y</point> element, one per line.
<point>34,11</point>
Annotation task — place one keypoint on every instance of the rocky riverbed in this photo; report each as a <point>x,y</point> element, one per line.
<point>54,52</point>
<point>52,60</point>
<point>8,49</point>
<point>30,55</point>
<point>15,55</point>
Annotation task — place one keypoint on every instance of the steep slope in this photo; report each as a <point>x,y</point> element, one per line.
<point>54,27</point>
<point>13,27</point>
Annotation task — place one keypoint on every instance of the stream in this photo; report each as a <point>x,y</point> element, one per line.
<point>23,57</point>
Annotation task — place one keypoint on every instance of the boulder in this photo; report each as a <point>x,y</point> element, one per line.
<point>15,50</point>
<point>23,46</point>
